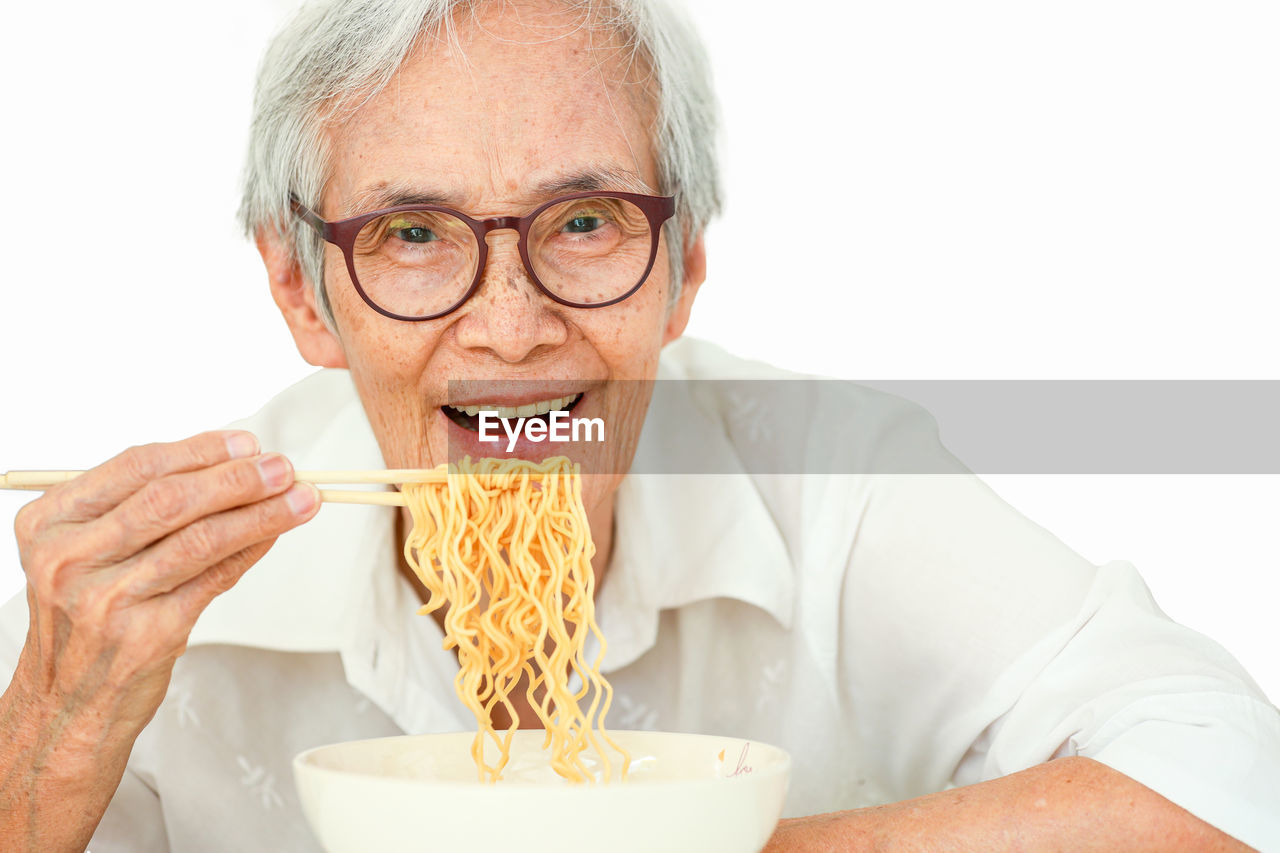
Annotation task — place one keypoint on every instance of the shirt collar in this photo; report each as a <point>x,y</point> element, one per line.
<point>682,538</point>
<point>303,596</point>
<point>678,538</point>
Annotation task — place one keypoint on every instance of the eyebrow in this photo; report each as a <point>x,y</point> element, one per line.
<point>393,195</point>
<point>590,180</point>
<point>384,194</point>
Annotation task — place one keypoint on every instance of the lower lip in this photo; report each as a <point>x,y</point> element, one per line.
<point>464,442</point>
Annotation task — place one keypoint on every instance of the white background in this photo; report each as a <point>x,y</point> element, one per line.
<point>982,189</point>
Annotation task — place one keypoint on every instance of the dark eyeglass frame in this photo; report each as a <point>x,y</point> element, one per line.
<point>343,232</point>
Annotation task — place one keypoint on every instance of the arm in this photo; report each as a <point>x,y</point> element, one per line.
<point>980,646</point>
<point>120,562</point>
<point>1067,804</point>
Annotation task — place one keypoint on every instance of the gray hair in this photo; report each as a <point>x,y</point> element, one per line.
<point>333,55</point>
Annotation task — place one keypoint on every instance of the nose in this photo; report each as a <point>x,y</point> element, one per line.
<point>508,315</point>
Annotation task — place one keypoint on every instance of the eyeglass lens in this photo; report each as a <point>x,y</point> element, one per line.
<point>584,250</point>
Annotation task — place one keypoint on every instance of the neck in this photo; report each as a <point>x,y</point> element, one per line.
<point>600,520</point>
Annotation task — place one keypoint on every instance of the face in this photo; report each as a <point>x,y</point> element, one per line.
<point>532,107</point>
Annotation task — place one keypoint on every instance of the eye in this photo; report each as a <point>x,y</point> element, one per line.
<point>411,232</point>
<point>584,223</point>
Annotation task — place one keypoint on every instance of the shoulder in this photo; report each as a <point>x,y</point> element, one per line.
<point>784,422</point>
<point>297,416</point>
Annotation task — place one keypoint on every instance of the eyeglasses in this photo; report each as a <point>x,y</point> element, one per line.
<point>422,261</point>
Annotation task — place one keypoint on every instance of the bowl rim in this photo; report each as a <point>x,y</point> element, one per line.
<point>778,766</point>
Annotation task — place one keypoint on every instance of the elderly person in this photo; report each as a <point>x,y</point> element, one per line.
<point>427,181</point>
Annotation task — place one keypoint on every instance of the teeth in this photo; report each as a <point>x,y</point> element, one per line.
<point>526,411</point>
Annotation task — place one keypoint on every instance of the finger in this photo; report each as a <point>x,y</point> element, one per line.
<point>104,487</point>
<point>165,506</point>
<point>199,548</point>
<point>161,626</point>
<point>191,598</point>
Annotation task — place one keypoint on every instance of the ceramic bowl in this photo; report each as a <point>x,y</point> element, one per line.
<point>422,793</point>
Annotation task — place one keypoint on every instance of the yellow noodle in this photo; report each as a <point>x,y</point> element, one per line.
<point>505,546</point>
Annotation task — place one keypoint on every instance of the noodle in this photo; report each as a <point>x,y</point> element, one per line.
<point>506,546</point>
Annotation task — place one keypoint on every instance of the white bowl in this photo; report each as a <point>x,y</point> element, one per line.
<point>421,793</point>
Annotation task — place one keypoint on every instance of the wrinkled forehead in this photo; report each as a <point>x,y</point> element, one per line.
<point>503,100</point>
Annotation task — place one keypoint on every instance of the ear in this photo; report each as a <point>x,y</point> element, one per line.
<point>695,272</point>
<point>296,299</point>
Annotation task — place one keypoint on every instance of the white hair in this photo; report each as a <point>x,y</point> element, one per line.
<point>333,55</point>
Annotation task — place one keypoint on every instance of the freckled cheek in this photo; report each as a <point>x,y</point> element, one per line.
<point>401,423</point>
<point>629,340</point>
<point>382,347</point>
<point>388,370</point>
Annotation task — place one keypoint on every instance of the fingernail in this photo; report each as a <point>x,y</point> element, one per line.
<point>301,498</point>
<point>274,470</point>
<point>242,444</point>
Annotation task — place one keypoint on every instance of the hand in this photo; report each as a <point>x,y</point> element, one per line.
<point>120,562</point>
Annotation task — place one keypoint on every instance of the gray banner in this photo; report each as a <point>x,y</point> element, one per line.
<point>901,427</point>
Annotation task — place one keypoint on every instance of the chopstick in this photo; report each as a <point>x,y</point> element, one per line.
<point>40,480</point>
<point>338,496</point>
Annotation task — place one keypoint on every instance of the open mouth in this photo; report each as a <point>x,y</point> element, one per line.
<point>468,417</point>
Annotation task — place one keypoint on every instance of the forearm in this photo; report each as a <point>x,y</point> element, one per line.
<point>59,768</point>
<point>1068,804</point>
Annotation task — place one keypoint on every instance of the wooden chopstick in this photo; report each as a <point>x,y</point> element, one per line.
<point>335,496</point>
<point>41,480</point>
<point>390,476</point>
<point>38,480</point>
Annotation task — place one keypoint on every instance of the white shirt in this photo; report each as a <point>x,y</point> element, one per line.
<point>896,634</point>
